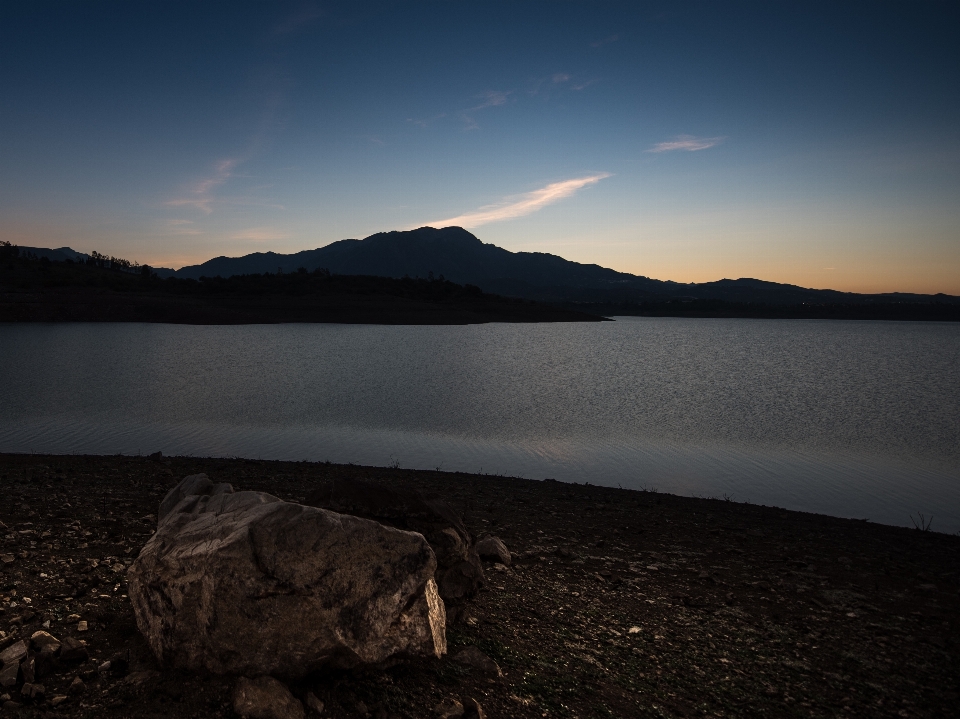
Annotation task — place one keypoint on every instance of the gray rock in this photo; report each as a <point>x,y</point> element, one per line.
<point>9,674</point>
<point>15,653</point>
<point>44,641</point>
<point>494,550</point>
<point>10,659</point>
<point>473,657</point>
<point>33,691</point>
<point>265,698</point>
<point>459,572</point>
<point>77,686</point>
<point>246,583</point>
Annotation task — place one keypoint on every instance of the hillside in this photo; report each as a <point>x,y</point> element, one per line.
<point>461,257</point>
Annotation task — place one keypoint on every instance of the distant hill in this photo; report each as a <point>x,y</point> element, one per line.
<point>461,257</point>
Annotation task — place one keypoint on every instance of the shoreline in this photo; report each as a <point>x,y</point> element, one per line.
<point>619,602</point>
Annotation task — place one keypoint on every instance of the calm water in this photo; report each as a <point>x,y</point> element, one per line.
<point>856,419</point>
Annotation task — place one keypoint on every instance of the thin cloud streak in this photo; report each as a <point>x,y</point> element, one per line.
<point>687,143</point>
<point>520,205</point>
<point>200,196</point>
<point>494,98</point>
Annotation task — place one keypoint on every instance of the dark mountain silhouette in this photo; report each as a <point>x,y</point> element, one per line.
<point>461,257</point>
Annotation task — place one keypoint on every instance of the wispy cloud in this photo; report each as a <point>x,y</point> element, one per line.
<point>200,195</point>
<point>424,123</point>
<point>686,143</point>
<point>518,206</point>
<point>260,234</point>
<point>491,98</point>
<point>181,227</point>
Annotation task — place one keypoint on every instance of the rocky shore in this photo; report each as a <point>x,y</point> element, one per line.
<point>614,604</point>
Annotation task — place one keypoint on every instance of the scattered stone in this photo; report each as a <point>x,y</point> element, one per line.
<point>141,677</point>
<point>9,674</point>
<point>46,663</point>
<point>58,700</point>
<point>11,707</point>
<point>77,686</point>
<point>265,698</point>
<point>73,651</point>
<point>449,708</point>
<point>314,704</point>
<point>473,657</point>
<point>35,692</point>
<point>15,653</point>
<point>44,641</point>
<point>494,550</point>
<point>81,626</point>
<point>246,583</point>
<point>71,618</point>
<point>28,670</point>
<point>7,558</point>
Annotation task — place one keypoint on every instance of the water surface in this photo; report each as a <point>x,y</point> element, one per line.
<point>854,419</point>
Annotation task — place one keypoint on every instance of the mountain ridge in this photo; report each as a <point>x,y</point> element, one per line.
<point>461,257</point>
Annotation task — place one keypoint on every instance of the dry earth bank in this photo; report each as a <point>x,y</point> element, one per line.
<point>617,603</point>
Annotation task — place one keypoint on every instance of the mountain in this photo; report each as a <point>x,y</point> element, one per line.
<point>461,257</point>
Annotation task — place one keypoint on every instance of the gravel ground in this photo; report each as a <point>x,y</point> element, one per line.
<point>617,604</point>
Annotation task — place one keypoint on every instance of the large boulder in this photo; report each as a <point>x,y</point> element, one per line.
<point>242,582</point>
<point>459,570</point>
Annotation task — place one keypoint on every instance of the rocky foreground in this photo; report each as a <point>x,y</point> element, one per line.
<point>615,604</point>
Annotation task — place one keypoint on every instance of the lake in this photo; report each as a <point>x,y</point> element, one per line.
<point>853,419</point>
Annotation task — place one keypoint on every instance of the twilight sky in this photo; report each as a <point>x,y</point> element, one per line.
<point>688,141</point>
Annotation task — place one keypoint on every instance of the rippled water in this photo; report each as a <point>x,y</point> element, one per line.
<point>848,418</point>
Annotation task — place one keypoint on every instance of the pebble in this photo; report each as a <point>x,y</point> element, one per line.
<point>44,641</point>
<point>82,626</point>
<point>77,686</point>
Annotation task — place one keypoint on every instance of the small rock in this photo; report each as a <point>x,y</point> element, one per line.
<point>44,641</point>
<point>28,670</point>
<point>77,686</point>
<point>71,618</point>
<point>473,710</point>
<point>46,663</point>
<point>449,708</point>
<point>73,651</point>
<point>314,704</point>
<point>473,657</point>
<point>15,653</point>
<point>10,707</point>
<point>265,698</point>
<point>58,700</point>
<point>137,678</point>
<point>33,691</point>
<point>81,626</point>
<point>492,549</point>
<point>4,698</point>
<point>7,558</point>
<point>104,668</point>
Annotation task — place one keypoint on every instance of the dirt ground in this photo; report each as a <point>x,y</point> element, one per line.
<point>618,603</point>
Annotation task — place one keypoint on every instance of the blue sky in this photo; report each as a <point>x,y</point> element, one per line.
<point>817,145</point>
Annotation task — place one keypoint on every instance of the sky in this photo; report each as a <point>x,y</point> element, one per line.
<point>817,145</point>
